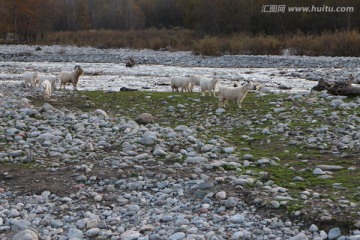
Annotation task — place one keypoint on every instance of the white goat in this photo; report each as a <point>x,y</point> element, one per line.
<point>47,88</point>
<point>180,82</point>
<point>208,84</point>
<point>31,78</point>
<point>51,78</point>
<point>71,77</point>
<point>234,94</point>
<point>194,81</point>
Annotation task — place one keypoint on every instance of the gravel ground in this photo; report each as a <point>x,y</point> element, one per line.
<point>24,53</point>
<point>68,174</point>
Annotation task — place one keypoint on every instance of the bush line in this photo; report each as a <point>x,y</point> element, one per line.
<point>339,43</point>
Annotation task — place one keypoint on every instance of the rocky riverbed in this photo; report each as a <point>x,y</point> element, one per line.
<point>105,68</point>
<point>70,172</point>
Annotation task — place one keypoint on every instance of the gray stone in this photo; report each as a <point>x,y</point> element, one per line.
<point>263,161</point>
<point>92,232</point>
<point>318,171</point>
<point>182,128</point>
<point>220,195</point>
<point>177,236</point>
<point>159,152</point>
<point>275,204</point>
<point>313,228</point>
<point>26,235</point>
<point>238,218</point>
<point>231,202</point>
<point>229,150</point>
<point>300,236</point>
<point>75,233</point>
<point>220,111</point>
<point>100,112</point>
<point>130,235</point>
<point>149,138</point>
<point>195,160</point>
<point>334,233</point>
<point>329,167</point>
<point>20,225</point>
<point>248,156</point>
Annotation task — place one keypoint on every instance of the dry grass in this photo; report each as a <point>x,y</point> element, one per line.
<point>328,43</point>
<point>151,39</point>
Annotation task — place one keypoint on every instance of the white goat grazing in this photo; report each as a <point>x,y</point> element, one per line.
<point>51,78</point>
<point>234,94</point>
<point>47,89</point>
<point>208,84</point>
<point>180,82</point>
<point>194,81</point>
<point>31,78</point>
<point>71,77</point>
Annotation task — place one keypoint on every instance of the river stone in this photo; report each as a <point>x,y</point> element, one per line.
<point>229,150</point>
<point>182,128</point>
<point>313,228</point>
<point>92,232</point>
<point>329,167</point>
<point>46,107</point>
<point>177,236</point>
<point>220,195</point>
<point>334,233</point>
<point>220,111</point>
<point>144,118</point>
<point>130,235</point>
<point>195,159</point>
<point>75,233</point>
<point>357,224</point>
<point>149,138</point>
<point>231,202</point>
<point>19,225</point>
<point>205,185</point>
<point>263,161</point>
<point>248,156</point>
<point>159,152</point>
<point>275,204</point>
<point>300,236</point>
<point>238,218</point>
<point>318,171</point>
<point>26,235</point>
<point>100,112</point>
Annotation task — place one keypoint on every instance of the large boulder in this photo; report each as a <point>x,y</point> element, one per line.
<point>144,118</point>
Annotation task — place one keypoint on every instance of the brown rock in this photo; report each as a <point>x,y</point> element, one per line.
<point>144,118</point>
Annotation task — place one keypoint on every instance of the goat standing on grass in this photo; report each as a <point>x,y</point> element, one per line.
<point>180,82</point>
<point>71,77</point>
<point>194,81</point>
<point>208,85</point>
<point>234,94</point>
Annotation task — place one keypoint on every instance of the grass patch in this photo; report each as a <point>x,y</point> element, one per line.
<point>244,129</point>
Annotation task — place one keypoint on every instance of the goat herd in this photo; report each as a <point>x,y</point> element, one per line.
<point>206,84</point>
<point>236,94</point>
<point>48,83</point>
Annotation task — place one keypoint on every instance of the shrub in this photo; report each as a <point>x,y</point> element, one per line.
<point>209,46</point>
<point>340,43</point>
